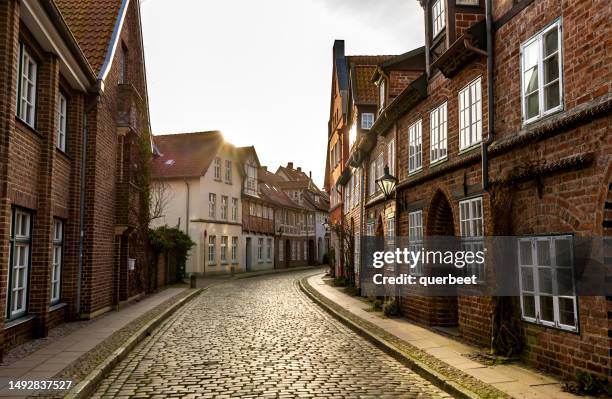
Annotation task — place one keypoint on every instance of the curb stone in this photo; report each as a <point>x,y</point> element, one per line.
<point>435,377</point>
<point>84,388</point>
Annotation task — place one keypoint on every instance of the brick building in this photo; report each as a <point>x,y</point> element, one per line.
<point>74,134</point>
<point>534,162</point>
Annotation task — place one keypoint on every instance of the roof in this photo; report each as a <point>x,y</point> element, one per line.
<point>271,192</point>
<point>92,22</point>
<point>364,90</point>
<point>292,174</point>
<point>186,154</point>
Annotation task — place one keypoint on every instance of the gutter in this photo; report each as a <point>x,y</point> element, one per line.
<point>490,100</point>
<point>88,108</point>
<point>112,48</point>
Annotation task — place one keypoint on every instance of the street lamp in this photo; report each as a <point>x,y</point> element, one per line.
<point>386,183</point>
<point>326,225</point>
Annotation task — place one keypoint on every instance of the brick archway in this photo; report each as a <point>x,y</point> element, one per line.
<point>440,220</point>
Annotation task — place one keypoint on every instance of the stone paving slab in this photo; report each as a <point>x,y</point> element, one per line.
<point>514,380</point>
<point>56,355</point>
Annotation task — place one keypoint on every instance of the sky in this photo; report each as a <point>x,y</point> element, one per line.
<point>260,71</point>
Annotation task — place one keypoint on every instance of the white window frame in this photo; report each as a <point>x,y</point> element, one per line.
<point>305,250</point>
<point>382,92</point>
<point>57,261</point>
<point>27,87</point>
<point>212,205</point>
<point>471,227</point>
<point>269,249</point>
<point>228,171</point>
<point>470,114</point>
<point>538,40</point>
<point>372,182</point>
<point>357,190</point>
<point>367,120</point>
<point>212,250</point>
<point>234,209</point>
<point>438,127</point>
<point>415,147</point>
<point>415,238</point>
<point>223,249</point>
<point>260,244</point>
<point>281,251</point>
<point>224,206</point>
<point>535,268</point>
<point>20,243</point>
<point>217,168</point>
<point>391,156</point>
<point>62,118</point>
<point>234,249</point>
<point>438,17</point>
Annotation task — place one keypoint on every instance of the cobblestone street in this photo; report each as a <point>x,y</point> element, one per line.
<point>260,337</point>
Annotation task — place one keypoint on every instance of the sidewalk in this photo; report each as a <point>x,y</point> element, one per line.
<point>512,379</point>
<point>57,355</point>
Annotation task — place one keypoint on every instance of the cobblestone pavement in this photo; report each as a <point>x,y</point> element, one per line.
<point>260,337</point>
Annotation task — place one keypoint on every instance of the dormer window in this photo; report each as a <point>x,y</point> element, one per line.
<point>251,181</point>
<point>382,92</point>
<point>367,120</point>
<point>438,17</point>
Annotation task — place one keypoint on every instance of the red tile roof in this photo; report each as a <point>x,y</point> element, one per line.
<point>271,192</point>
<point>186,154</point>
<point>92,23</point>
<point>362,68</point>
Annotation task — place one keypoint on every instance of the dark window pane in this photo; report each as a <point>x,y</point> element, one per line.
<point>546,308</point>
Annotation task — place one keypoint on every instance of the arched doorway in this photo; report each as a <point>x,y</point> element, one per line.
<point>434,310</point>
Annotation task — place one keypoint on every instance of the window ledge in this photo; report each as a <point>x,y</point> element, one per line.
<point>27,127</point>
<point>438,162</point>
<point>19,321</point>
<point>543,118</point>
<point>470,148</point>
<point>57,306</point>
<point>63,154</point>
<point>416,171</point>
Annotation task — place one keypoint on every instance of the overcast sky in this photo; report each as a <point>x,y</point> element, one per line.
<point>260,71</point>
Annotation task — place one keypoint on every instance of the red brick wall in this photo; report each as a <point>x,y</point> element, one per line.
<point>399,80</point>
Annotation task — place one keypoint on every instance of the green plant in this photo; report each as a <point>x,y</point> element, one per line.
<point>326,259</point>
<point>587,384</point>
<point>352,290</point>
<point>171,240</point>
<point>389,308</point>
<point>377,304</point>
<point>340,281</point>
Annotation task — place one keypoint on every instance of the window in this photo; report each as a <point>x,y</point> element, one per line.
<point>281,252</point>
<point>234,209</point>
<point>61,122</point>
<point>252,209</point>
<point>269,249</point>
<point>547,282</point>
<point>415,238</point>
<point>438,17</point>
<point>390,238</point>
<point>372,177</point>
<point>123,63</point>
<point>224,207</point>
<point>27,87</point>
<point>305,248</point>
<point>228,171</point>
<point>472,232</point>
<point>234,249</point>
<point>367,120</point>
<point>19,257</point>
<point>347,197</point>
<point>251,178</point>
<point>438,133</point>
<point>357,190</point>
<point>391,156</point>
<point>217,166</point>
<point>224,249</point>
<point>382,87</point>
<point>58,259</point>
<point>293,250</point>
<point>415,146</point>
<point>212,244</point>
<point>212,205</point>
<point>260,243</point>
<point>258,210</point>
<point>357,253</point>
<point>370,229</point>
<point>380,166</point>
<point>542,86</point>
<point>470,115</point>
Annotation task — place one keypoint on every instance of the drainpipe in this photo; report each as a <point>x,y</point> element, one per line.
<point>187,208</point>
<point>490,124</point>
<point>88,108</point>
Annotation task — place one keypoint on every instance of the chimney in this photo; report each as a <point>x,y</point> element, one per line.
<point>299,169</point>
<point>310,175</point>
<point>289,165</point>
<point>338,49</point>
